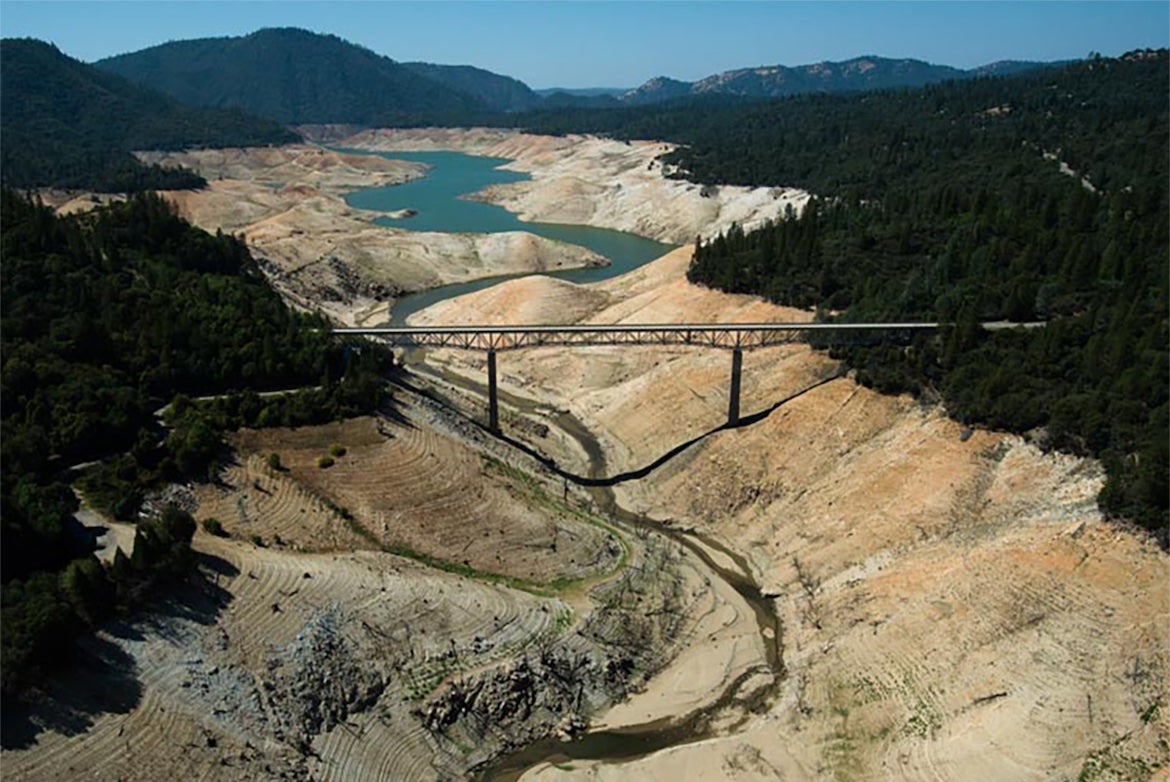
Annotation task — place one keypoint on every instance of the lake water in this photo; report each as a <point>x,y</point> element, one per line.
<point>436,198</point>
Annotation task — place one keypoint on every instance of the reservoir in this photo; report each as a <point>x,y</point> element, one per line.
<point>437,200</point>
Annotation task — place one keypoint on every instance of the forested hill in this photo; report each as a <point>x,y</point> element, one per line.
<point>294,77</point>
<point>1041,197</point>
<point>67,124</point>
<point>498,93</point>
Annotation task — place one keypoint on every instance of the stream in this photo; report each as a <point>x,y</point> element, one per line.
<point>437,201</point>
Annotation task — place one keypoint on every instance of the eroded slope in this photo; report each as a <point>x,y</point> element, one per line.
<point>954,606</point>
<point>585,180</point>
<point>322,254</point>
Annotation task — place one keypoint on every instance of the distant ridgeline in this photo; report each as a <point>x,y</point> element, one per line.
<point>67,124</point>
<point>107,317</point>
<point>297,77</point>
<point>1038,197</point>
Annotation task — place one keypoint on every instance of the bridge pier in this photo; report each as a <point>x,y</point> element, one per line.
<point>493,394</point>
<point>733,396</point>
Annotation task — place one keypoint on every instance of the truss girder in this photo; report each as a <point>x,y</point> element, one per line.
<point>730,336</point>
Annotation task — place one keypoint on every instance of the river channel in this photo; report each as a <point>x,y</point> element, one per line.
<point>437,201</point>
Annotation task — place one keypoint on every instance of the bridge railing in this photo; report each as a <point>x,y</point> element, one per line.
<point>734,336</point>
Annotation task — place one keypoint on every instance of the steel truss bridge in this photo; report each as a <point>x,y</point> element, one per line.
<point>736,337</point>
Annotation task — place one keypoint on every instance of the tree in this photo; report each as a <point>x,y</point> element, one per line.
<point>162,546</point>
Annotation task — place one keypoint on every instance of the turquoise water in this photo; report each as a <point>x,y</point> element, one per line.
<point>436,198</point>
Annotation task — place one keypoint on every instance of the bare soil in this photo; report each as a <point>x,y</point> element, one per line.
<point>302,651</point>
<point>954,606</point>
<point>323,255</point>
<point>407,486</point>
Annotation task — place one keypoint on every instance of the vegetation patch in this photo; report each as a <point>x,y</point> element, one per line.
<point>212,526</point>
<point>941,211</point>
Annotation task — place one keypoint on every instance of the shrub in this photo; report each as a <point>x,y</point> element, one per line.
<point>274,461</point>
<point>325,462</point>
<point>162,546</point>
<point>212,526</point>
<point>337,449</point>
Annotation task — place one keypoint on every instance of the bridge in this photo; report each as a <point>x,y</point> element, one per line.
<point>736,337</point>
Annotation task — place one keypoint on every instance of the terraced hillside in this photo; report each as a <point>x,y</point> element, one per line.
<point>305,649</point>
<point>262,674</point>
<point>407,487</point>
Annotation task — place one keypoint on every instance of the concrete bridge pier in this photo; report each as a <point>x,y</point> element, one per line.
<point>733,396</point>
<point>493,394</point>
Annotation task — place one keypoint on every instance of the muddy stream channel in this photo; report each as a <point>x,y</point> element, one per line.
<point>452,176</point>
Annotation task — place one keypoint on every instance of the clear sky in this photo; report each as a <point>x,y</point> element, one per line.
<point>620,44</point>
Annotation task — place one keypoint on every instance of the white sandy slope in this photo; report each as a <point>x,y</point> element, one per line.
<point>322,254</point>
<point>585,180</point>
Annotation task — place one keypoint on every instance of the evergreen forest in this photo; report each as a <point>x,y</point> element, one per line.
<point>68,124</point>
<point>108,317</point>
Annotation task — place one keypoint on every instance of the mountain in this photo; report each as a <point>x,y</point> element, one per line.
<point>67,124</point>
<point>294,77</point>
<point>658,89</point>
<point>860,73</point>
<point>499,93</point>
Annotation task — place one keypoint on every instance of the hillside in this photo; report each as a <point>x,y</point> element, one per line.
<point>107,317</point>
<point>1032,198</point>
<point>294,77</point>
<point>499,93</point>
<point>940,590</point>
<point>67,124</point>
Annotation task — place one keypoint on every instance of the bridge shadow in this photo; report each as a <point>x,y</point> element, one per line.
<point>102,677</point>
<point>631,475</point>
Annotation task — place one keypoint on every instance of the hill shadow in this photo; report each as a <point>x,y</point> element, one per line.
<point>103,676</point>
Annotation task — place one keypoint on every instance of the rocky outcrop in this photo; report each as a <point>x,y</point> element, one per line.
<point>317,681</point>
<point>637,627</point>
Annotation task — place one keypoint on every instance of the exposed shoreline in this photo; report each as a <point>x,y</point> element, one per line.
<point>587,180</point>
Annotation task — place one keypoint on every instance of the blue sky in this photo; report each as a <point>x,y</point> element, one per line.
<point>620,44</point>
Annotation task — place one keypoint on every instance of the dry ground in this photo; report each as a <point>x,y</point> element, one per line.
<point>322,254</point>
<point>954,607</point>
<point>215,686</point>
<point>404,485</point>
<point>319,657</point>
<point>585,180</point>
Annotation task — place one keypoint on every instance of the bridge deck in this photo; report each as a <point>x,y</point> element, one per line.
<point>734,336</point>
